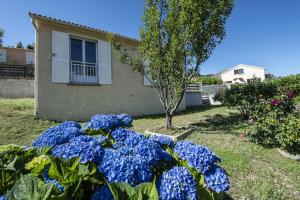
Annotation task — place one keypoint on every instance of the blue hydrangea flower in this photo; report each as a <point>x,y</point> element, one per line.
<point>120,134</point>
<point>118,144</point>
<point>216,179</point>
<point>86,150</point>
<point>199,157</point>
<point>70,124</point>
<point>165,156</point>
<point>134,138</point>
<point>177,183</point>
<point>3,197</point>
<point>54,182</point>
<point>119,166</point>
<point>86,138</point>
<point>151,151</point>
<point>126,120</point>
<point>103,193</point>
<point>104,122</point>
<point>57,135</point>
<point>162,140</point>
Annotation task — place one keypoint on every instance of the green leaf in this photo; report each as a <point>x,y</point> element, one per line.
<point>38,164</point>
<point>66,172</point>
<point>121,191</point>
<point>12,164</point>
<point>29,187</point>
<point>72,174</point>
<point>146,191</point>
<point>204,193</point>
<point>7,181</point>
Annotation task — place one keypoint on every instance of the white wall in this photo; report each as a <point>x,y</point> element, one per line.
<point>16,88</point>
<point>249,73</point>
<point>193,99</point>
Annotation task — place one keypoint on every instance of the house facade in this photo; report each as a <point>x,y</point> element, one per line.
<point>77,74</point>
<point>16,56</point>
<point>242,74</point>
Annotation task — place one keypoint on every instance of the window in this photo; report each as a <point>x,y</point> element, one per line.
<point>76,50</point>
<point>90,52</point>
<point>83,61</point>
<point>238,71</point>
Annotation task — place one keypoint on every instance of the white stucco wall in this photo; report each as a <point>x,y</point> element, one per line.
<point>249,73</point>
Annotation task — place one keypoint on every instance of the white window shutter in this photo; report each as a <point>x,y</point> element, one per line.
<point>104,62</point>
<point>29,58</point>
<point>2,55</point>
<point>146,78</point>
<point>60,57</point>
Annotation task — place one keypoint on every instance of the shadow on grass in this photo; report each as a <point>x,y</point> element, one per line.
<point>221,123</point>
<point>189,110</point>
<point>227,197</point>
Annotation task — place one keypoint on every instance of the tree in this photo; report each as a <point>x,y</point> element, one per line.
<point>176,37</point>
<point>1,36</point>
<point>19,45</point>
<point>30,46</point>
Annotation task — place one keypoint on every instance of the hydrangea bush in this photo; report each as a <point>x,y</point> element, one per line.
<point>104,159</point>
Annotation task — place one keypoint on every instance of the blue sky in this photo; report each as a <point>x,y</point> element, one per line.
<point>264,33</point>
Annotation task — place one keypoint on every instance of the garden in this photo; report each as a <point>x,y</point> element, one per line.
<point>254,171</point>
<point>103,159</point>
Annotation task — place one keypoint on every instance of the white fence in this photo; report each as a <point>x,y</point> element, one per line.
<point>194,87</point>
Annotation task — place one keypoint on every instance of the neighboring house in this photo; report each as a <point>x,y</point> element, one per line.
<point>77,75</point>
<point>16,56</point>
<point>242,74</point>
<point>16,72</point>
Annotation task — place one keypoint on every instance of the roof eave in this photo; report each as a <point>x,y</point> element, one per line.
<point>221,73</point>
<point>54,20</point>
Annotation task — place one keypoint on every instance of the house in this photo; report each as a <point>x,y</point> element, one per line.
<point>242,74</point>
<point>78,75</point>
<point>16,56</point>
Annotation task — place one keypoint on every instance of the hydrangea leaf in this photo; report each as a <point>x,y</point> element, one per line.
<point>146,191</point>
<point>10,148</point>
<point>7,181</point>
<point>12,165</point>
<point>71,174</point>
<point>38,164</point>
<point>121,190</point>
<point>29,187</point>
<point>65,172</point>
<point>204,193</point>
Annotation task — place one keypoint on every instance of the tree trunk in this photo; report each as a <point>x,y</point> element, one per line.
<point>169,120</point>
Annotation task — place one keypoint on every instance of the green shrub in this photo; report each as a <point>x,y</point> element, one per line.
<point>247,98</point>
<point>288,83</point>
<point>289,134</point>
<point>276,124</point>
<point>265,131</point>
<point>280,107</point>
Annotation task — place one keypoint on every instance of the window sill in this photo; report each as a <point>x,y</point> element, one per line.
<point>85,84</point>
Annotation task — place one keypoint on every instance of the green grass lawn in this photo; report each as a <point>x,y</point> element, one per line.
<point>255,172</point>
